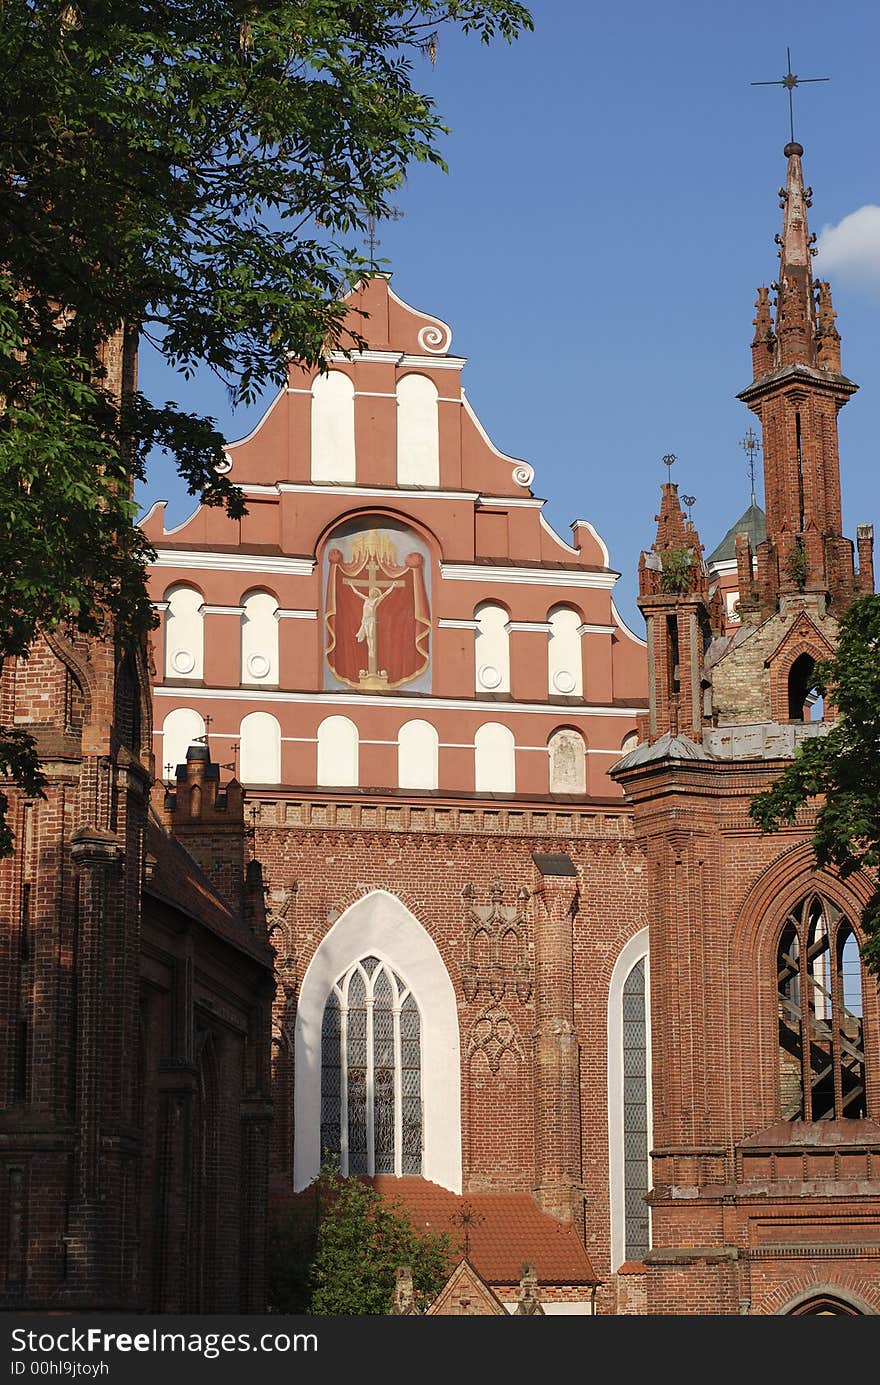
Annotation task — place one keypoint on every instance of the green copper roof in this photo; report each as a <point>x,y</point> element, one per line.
<point>753,523</point>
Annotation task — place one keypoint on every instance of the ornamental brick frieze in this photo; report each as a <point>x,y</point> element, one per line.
<point>445,822</point>
<point>493,1033</point>
<point>496,951</point>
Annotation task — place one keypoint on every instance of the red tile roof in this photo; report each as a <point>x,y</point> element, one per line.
<point>513,1231</point>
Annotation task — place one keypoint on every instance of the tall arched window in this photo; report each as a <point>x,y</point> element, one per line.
<point>492,654</point>
<point>333,451</point>
<point>635,1112</point>
<point>800,683</point>
<point>568,761</point>
<point>337,751</point>
<point>259,638</point>
<point>371,1105</point>
<point>417,749</point>
<point>184,633</point>
<point>418,439</point>
<point>821,1043</point>
<point>180,729</point>
<point>564,664</point>
<point>629,1102</point>
<point>260,752</point>
<point>494,759</point>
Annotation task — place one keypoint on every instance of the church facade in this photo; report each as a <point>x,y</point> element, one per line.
<point>532,965</point>
<point>497,972</point>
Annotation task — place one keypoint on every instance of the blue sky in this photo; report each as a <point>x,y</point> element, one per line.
<point>609,212</point>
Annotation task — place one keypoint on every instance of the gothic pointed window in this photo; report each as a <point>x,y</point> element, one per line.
<point>371,1098</point>
<point>635,1113</point>
<point>629,1102</point>
<point>821,1041</point>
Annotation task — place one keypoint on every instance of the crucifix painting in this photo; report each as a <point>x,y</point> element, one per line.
<point>377,618</point>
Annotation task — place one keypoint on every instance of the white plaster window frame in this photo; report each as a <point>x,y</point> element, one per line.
<point>633,951</point>
<point>380,925</point>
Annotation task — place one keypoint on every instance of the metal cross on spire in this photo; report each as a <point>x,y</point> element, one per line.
<point>372,240</point>
<point>751,445</point>
<point>790,81</point>
<point>467,1217</point>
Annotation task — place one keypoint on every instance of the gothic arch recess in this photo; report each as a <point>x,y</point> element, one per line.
<point>379,924</point>
<point>785,883</point>
<point>850,1297</point>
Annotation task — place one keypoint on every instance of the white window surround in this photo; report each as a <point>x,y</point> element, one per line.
<point>417,758</point>
<point>338,760</point>
<point>259,638</point>
<point>491,649</point>
<point>184,632</point>
<point>332,429</point>
<point>630,955</point>
<point>494,758</point>
<point>380,925</point>
<point>565,673</point>
<point>259,740</point>
<point>180,729</point>
<point>418,437</point>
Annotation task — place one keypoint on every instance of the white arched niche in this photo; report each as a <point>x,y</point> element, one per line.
<point>337,752</point>
<point>259,638</point>
<point>259,749</point>
<point>568,761</point>
<point>417,754</point>
<point>180,729</point>
<point>492,649</point>
<point>494,759</point>
<point>633,952</point>
<point>184,633</point>
<point>333,451</point>
<point>565,675</point>
<point>418,434</point>
<point>381,926</point>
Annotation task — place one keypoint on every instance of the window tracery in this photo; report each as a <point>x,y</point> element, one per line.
<point>371,1099</point>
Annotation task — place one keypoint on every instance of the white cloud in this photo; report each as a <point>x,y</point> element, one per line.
<point>851,249</point>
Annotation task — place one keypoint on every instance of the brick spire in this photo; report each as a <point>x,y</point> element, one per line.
<point>681,614</point>
<point>795,309</point>
<point>797,392</point>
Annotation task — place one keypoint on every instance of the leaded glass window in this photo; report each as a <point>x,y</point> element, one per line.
<point>371,1073</point>
<point>635,1114</point>
<point>819,988</point>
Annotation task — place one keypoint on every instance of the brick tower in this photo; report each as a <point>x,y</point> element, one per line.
<point>135,998</point>
<point>765,1055</point>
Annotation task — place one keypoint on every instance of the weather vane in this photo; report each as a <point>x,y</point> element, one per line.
<point>689,500</point>
<point>790,81</point>
<point>371,239</point>
<point>669,462</point>
<point>751,445</point>
<point>466,1217</point>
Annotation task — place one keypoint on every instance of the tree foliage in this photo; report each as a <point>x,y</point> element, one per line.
<point>336,1252</point>
<point>361,1240</point>
<point>840,772</point>
<point>195,172</point>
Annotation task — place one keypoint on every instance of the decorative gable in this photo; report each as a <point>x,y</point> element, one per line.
<point>791,663</point>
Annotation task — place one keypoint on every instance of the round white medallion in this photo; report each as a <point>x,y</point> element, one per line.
<point>182,661</point>
<point>258,665</point>
<point>226,465</point>
<point>563,681</point>
<point>490,676</point>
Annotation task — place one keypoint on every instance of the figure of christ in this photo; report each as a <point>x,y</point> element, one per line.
<point>372,598</point>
